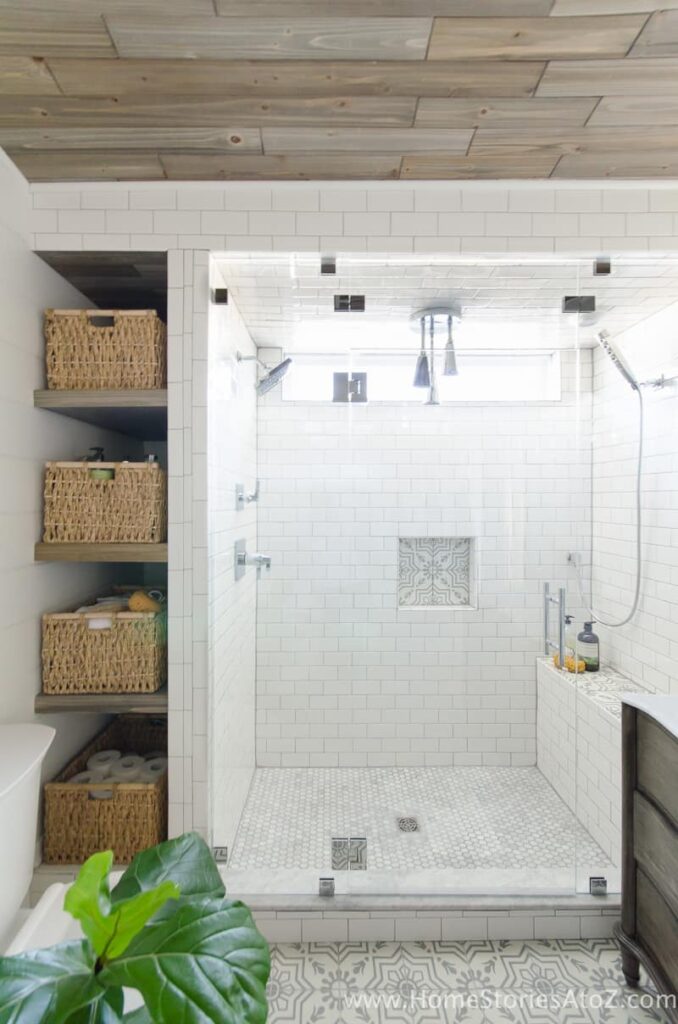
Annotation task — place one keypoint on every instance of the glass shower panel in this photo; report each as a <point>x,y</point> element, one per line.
<point>637,310</point>
<point>412,734</point>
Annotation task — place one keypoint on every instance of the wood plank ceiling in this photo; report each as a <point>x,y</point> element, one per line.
<point>296,89</point>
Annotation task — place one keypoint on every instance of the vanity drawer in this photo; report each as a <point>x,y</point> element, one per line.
<point>658,765</point>
<point>657,928</point>
<point>656,848</point>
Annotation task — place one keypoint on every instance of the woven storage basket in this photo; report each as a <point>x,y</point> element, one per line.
<point>129,509</point>
<point>105,348</point>
<point>129,656</point>
<point>132,815</point>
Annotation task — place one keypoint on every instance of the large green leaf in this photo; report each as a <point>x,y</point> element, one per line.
<point>206,963</point>
<point>48,984</point>
<point>111,929</point>
<point>88,900</point>
<point>140,1016</point>
<point>106,1010</point>
<point>186,860</point>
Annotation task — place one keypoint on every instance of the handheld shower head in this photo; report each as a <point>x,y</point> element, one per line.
<point>605,343</point>
<point>273,377</point>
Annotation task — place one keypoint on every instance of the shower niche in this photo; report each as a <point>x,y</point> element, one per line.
<point>436,572</point>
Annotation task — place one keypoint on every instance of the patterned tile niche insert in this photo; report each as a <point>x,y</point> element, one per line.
<point>434,572</point>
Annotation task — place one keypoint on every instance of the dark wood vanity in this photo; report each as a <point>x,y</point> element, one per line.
<point>649,923</point>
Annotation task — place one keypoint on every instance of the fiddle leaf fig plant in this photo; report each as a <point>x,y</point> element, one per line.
<point>166,929</point>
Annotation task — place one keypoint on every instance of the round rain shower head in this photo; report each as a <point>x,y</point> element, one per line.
<point>273,377</point>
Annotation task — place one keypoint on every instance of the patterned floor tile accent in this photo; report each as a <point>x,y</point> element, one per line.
<point>468,818</point>
<point>479,982</point>
<point>434,572</point>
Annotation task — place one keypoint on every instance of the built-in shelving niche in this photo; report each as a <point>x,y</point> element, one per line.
<point>113,280</point>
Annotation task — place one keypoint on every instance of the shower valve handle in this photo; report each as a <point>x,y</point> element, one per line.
<point>261,561</point>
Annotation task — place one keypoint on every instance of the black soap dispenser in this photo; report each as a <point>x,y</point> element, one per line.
<point>589,648</point>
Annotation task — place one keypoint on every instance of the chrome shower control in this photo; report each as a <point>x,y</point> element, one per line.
<point>241,560</point>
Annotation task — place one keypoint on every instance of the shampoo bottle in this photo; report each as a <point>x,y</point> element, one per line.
<point>589,648</point>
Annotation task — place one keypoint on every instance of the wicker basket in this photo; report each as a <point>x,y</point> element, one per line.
<point>130,508</point>
<point>97,348</point>
<point>128,816</point>
<point>127,656</point>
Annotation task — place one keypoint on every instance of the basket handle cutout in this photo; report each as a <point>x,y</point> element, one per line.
<point>101,320</point>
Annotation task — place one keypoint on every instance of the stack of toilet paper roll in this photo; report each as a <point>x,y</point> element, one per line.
<point>114,766</point>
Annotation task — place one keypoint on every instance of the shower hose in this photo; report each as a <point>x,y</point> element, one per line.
<point>639,554</point>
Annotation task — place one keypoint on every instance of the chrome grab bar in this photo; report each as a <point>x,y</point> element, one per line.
<point>560,602</point>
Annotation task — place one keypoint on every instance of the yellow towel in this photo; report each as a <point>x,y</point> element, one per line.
<point>140,601</point>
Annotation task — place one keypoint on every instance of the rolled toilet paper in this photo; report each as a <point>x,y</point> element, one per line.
<point>103,760</point>
<point>124,774</point>
<point>82,778</point>
<point>153,770</point>
<point>129,761</point>
<point>152,754</point>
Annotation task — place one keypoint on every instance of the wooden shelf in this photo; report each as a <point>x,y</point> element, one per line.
<point>100,552</point>
<point>140,414</point>
<point>115,703</point>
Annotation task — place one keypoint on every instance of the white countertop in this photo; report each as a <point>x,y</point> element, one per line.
<point>661,707</point>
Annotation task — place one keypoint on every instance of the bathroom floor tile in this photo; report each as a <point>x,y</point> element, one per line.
<point>471,817</point>
<point>549,982</point>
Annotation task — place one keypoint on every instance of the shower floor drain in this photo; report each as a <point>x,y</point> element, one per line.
<point>408,824</point>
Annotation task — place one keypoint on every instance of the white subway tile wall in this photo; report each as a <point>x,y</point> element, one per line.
<point>559,221</point>
<point>647,648</point>
<point>347,678</point>
<point>579,752</point>
<point>231,461</point>
<point>476,217</point>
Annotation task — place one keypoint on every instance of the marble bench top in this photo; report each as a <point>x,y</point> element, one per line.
<point>607,688</point>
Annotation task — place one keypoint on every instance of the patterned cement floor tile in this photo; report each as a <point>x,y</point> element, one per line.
<point>479,982</point>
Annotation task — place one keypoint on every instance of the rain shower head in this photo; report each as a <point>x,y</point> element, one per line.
<point>273,377</point>
<point>605,343</point>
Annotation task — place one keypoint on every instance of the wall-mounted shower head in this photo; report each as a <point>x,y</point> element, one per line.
<point>273,377</point>
<point>605,343</point>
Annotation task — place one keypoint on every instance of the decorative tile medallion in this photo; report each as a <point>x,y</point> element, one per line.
<point>434,572</point>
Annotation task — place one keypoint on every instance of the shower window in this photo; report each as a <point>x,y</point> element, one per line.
<point>483,377</point>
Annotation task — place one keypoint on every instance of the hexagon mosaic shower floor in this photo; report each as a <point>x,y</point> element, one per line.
<point>567,981</point>
<point>468,817</point>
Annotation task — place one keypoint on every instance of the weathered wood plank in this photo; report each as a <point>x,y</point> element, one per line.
<point>113,703</point>
<point>282,38</point>
<point>649,77</point>
<point>87,165</point>
<point>513,38</point>
<point>659,38</point>
<point>197,166</point>
<point>565,7</point>
<point>627,111</point>
<point>296,79</point>
<point>470,113</point>
<point>39,34</point>
<point>169,111</point>
<point>100,552</point>
<point>236,140</point>
<point>91,8</point>
<point>290,141</point>
<point>583,140</point>
<point>392,8</point>
<point>645,163</point>
<point>25,76</point>
<point>456,167</point>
